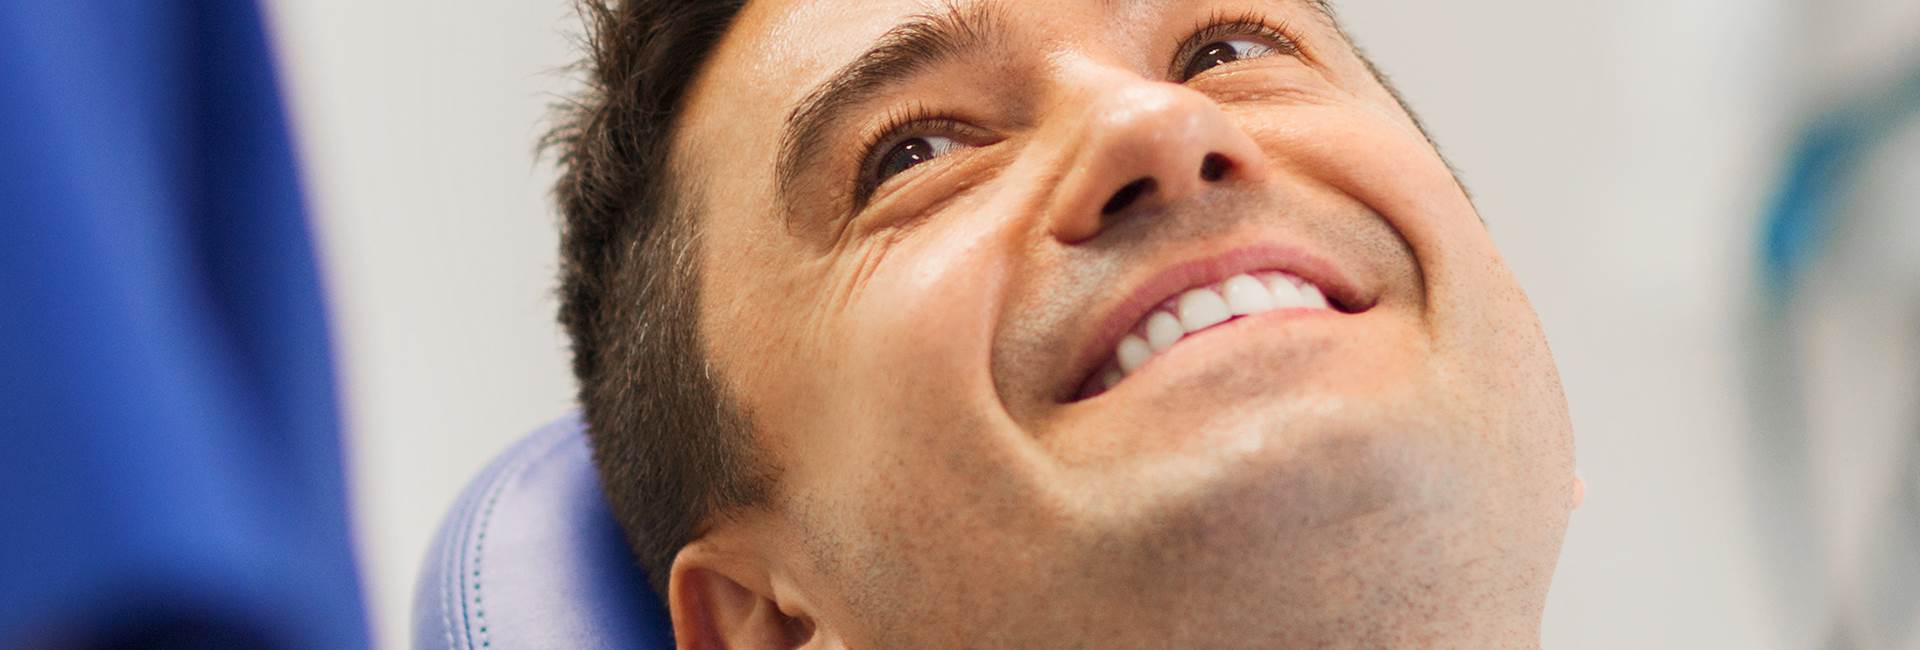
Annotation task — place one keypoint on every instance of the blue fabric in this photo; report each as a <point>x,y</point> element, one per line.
<point>170,471</point>
<point>530,557</point>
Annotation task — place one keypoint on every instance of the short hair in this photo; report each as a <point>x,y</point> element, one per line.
<point>672,450</point>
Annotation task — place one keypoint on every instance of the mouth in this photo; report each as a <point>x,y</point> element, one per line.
<point>1188,299</point>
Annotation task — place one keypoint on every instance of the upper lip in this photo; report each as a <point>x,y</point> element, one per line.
<point>1171,281</point>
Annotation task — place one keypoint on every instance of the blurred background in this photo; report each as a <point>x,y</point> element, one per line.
<point>1731,288</point>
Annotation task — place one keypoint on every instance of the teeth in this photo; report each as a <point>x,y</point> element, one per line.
<point>1246,296</point>
<point>1133,353</point>
<point>1286,294</point>
<point>1202,308</point>
<point>1198,309</point>
<point>1163,330</point>
<point>1312,297</point>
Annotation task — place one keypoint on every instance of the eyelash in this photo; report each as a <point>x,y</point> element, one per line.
<point>1220,26</point>
<point>917,119</point>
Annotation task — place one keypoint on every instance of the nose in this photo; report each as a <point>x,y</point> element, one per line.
<point>1143,144</point>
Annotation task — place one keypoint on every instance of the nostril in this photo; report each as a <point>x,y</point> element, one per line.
<point>1127,195</point>
<point>1214,167</point>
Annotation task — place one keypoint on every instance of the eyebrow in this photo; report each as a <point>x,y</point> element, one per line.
<point>921,41</point>
<point>909,48</point>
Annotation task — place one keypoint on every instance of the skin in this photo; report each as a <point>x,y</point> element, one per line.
<point>1400,476</point>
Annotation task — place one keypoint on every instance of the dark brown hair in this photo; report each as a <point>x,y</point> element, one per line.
<point>671,451</point>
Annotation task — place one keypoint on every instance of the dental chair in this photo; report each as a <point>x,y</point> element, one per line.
<point>530,557</point>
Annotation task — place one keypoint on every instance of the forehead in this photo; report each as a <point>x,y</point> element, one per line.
<point>811,38</point>
<point>777,49</point>
<point>807,40</point>
<point>771,54</point>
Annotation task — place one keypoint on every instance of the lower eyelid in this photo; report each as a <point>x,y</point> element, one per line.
<point>889,190</point>
<point>953,146</point>
<point>924,128</point>
<point>1274,40</point>
<point>957,143</point>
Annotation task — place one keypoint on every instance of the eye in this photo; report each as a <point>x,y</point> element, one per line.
<point>908,139</point>
<point>1225,51</point>
<point>909,153</point>
<point>1224,39</point>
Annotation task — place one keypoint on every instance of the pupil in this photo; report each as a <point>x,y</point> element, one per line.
<point>906,155</point>
<point>1210,56</point>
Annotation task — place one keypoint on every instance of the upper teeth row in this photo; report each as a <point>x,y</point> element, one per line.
<point>1205,307</point>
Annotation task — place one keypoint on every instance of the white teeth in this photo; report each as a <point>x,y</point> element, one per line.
<point>1312,296</point>
<point>1286,294</point>
<point>1246,296</point>
<point>1133,353</point>
<point>1163,330</point>
<point>1201,309</point>
<point>1198,309</point>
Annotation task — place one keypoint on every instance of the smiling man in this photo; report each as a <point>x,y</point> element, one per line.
<point>1084,323</point>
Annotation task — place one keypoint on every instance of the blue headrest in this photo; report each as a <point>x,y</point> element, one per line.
<point>530,557</point>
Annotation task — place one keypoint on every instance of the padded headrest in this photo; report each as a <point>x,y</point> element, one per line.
<point>530,557</point>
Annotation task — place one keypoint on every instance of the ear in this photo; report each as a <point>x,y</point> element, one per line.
<point>1579,490</point>
<point>725,600</point>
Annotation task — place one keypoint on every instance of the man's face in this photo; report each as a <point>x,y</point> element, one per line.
<point>956,301</point>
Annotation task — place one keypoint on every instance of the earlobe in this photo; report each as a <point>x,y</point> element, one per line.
<point>722,601</point>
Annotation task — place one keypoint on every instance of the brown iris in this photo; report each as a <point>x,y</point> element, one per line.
<point>904,156</point>
<point>1212,55</point>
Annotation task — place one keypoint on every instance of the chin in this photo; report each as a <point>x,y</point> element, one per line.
<point>1368,510</point>
<point>1286,466</point>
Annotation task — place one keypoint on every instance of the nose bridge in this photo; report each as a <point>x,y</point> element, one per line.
<point>1152,128</point>
<point>1139,143</point>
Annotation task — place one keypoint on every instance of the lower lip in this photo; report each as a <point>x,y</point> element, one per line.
<point>1182,347</point>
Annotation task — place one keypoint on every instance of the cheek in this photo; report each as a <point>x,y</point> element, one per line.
<point>1397,174</point>
<point>1488,346</point>
<point>926,471</point>
<point>912,372</point>
<point>1471,297</point>
<point>920,322</point>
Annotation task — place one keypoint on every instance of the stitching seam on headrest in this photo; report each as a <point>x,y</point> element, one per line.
<point>556,438</point>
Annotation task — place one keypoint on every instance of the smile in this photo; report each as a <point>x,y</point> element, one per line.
<point>1199,309</point>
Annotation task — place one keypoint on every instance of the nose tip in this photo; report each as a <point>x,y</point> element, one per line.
<point>1146,145</point>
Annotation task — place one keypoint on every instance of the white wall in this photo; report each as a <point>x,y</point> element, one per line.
<point>417,122</point>
<point>1618,150</point>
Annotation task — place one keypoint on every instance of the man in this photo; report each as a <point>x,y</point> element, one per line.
<point>1089,323</point>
